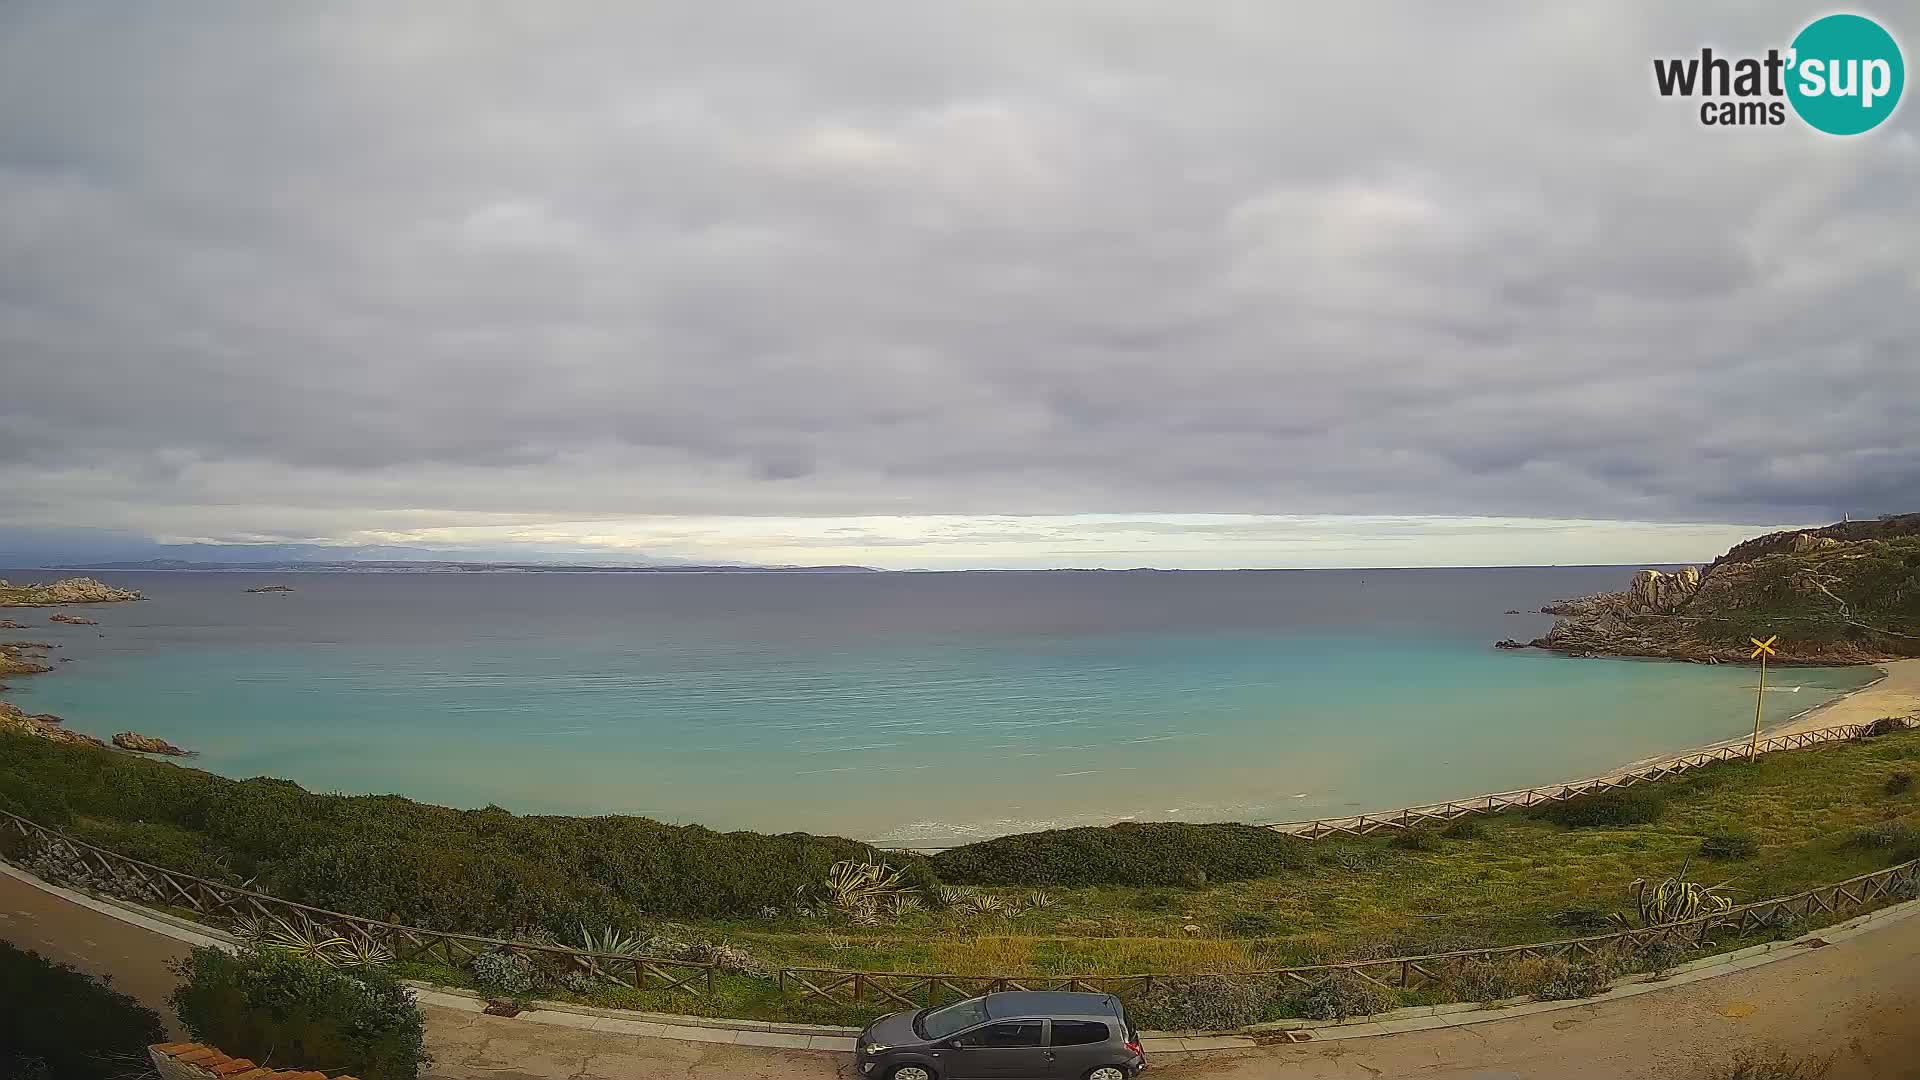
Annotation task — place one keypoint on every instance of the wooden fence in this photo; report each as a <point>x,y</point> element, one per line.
<point>1499,801</point>
<point>55,855</point>
<point>58,856</point>
<point>1436,971</point>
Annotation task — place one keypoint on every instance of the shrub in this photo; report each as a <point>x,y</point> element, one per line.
<point>1885,834</point>
<point>1417,840</point>
<point>286,1011</point>
<point>390,858</point>
<point>1634,806</point>
<point>1163,853</point>
<point>1204,1003</point>
<point>59,1023</point>
<point>1340,995</point>
<point>1584,919</point>
<point>1886,725</point>
<point>1154,901</point>
<point>1899,783</point>
<point>502,974</point>
<point>1729,846</point>
<point>1250,924</point>
<point>1465,828</point>
<point>1568,980</point>
<point>1349,857</point>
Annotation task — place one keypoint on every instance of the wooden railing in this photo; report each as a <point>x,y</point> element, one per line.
<point>77,862</point>
<point>1434,971</point>
<point>1499,801</point>
<point>68,860</point>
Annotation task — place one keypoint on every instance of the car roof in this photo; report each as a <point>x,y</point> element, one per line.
<point>1008,1004</point>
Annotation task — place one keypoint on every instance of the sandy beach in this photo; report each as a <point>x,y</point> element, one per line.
<point>1896,695</point>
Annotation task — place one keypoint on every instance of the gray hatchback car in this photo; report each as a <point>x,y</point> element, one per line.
<point>1029,1035</point>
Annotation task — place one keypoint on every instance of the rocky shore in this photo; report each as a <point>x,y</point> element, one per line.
<point>1846,594</point>
<point>79,590</point>
<point>147,744</point>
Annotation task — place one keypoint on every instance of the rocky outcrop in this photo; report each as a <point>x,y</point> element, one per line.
<point>15,660</point>
<point>41,726</point>
<point>73,620</point>
<point>147,744</point>
<point>9,624</point>
<point>1831,597</point>
<point>80,590</point>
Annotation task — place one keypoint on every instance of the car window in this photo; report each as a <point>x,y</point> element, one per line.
<point>1011,1033</point>
<point>941,1023</point>
<point>1078,1032</point>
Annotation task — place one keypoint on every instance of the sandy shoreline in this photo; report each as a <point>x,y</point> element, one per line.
<point>1898,694</point>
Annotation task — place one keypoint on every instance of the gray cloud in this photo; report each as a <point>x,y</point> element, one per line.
<point>360,265</point>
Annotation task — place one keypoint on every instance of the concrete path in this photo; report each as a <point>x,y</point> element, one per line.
<point>1858,999</point>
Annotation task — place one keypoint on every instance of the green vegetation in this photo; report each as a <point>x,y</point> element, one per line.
<point>1138,898</point>
<point>1130,853</point>
<point>1864,592</point>
<point>58,1024</point>
<point>386,857</point>
<point>1729,845</point>
<point>284,1010</point>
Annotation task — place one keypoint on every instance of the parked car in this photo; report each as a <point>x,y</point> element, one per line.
<point>1016,1035</point>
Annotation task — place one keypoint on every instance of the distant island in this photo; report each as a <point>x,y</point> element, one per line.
<point>1845,594</point>
<point>434,567</point>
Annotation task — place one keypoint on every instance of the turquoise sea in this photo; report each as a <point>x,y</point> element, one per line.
<point>923,708</point>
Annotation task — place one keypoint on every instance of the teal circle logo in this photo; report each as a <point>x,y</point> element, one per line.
<point>1845,75</point>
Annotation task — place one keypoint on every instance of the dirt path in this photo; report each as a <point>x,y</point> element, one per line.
<point>1859,1000</point>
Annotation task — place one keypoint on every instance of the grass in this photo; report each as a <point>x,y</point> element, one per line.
<point>1814,816</point>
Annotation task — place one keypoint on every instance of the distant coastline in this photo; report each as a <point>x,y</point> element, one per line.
<point>356,567</point>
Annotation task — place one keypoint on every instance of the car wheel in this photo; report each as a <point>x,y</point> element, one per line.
<point>911,1072</point>
<point>1108,1072</point>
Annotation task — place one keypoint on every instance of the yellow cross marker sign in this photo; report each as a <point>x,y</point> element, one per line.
<point>1761,650</point>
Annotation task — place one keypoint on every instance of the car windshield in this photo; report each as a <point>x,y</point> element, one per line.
<point>959,1016</point>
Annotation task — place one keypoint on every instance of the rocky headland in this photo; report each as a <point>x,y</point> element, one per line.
<point>79,590</point>
<point>1845,594</point>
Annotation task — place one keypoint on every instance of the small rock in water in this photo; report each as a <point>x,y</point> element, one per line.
<point>73,620</point>
<point>147,744</point>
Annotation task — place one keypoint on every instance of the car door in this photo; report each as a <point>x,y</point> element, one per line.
<point>1074,1047</point>
<point>1014,1049</point>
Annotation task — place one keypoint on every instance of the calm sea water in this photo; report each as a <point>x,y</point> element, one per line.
<point>921,708</point>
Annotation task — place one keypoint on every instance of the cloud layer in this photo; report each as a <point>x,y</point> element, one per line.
<point>357,270</point>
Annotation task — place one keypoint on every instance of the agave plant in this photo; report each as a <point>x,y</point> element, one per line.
<point>1038,900</point>
<point>902,904</point>
<point>303,939</point>
<point>610,941</point>
<point>1675,899</point>
<point>954,896</point>
<point>851,886</point>
<point>363,953</point>
<point>984,904</point>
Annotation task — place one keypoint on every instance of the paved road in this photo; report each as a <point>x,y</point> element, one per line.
<point>1858,1000</point>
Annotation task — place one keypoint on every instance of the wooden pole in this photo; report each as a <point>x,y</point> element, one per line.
<point>1759,693</point>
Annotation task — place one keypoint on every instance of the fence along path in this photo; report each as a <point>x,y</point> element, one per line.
<point>131,879</point>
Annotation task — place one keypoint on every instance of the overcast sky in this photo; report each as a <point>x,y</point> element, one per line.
<point>955,284</point>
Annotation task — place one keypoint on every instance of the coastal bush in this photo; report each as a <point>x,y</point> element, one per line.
<point>1161,853</point>
<point>1154,900</point>
<point>1465,828</point>
<point>1337,996</point>
<point>60,1024</point>
<point>503,974</point>
<point>1885,835</point>
<point>1899,783</point>
<point>1251,924</point>
<point>387,857</point>
<point>1729,845</point>
<point>286,1011</point>
<point>1570,980</point>
<point>1634,806</point>
<point>1583,920</point>
<point>1417,840</point>
<point>1204,1003</point>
